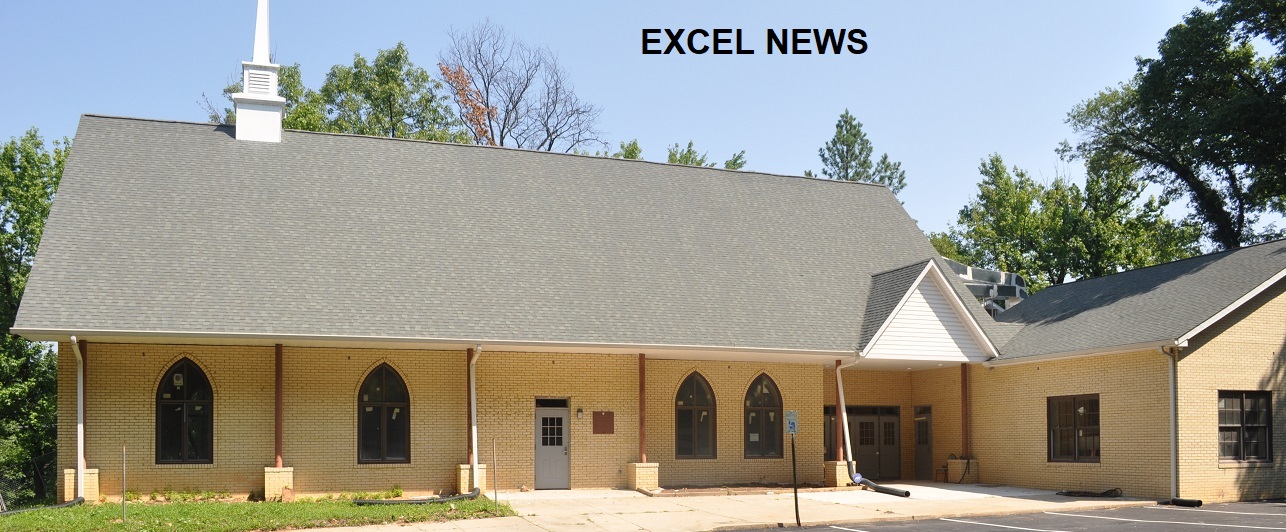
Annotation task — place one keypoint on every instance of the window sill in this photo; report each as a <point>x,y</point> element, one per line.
<point>696,458</point>
<point>763,457</point>
<point>185,466</point>
<point>1243,464</point>
<point>383,465</point>
<point>1073,464</point>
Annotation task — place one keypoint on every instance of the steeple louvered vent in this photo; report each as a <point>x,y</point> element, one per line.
<point>259,83</point>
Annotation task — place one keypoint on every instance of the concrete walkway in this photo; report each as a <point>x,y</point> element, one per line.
<point>596,510</point>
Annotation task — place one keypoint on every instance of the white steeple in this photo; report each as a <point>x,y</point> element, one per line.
<point>259,108</point>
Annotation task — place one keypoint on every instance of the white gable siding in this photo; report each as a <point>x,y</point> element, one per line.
<point>926,328</point>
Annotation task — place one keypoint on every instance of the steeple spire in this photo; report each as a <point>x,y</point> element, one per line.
<point>259,108</point>
<point>261,34</point>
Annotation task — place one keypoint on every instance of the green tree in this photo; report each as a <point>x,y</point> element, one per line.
<point>687,156</point>
<point>1000,227</point>
<point>847,157</point>
<point>1052,233</point>
<point>1206,119</point>
<point>629,150</point>
<point>737,161</point>
<point>691,157</point>
<point>949,246</point>
<point>388,96</point>
<point>29,176</point>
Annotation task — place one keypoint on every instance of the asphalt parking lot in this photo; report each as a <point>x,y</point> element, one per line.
<point>1231,516</point>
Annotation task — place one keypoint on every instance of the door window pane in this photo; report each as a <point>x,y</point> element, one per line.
<point>866,433</point>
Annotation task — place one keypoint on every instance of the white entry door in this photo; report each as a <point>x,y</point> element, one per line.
<point>553,459</point>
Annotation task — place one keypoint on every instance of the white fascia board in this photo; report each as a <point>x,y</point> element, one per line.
<point>889,319</point>
<point>731,353</point>
<point>1232,307</point>
<point>1113,350</point>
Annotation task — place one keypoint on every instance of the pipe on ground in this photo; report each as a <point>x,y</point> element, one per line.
<point>374,502</point>
<point>857,479</point>
<point>73,502</point>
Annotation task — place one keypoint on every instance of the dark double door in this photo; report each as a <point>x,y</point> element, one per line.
<point>877,440</point>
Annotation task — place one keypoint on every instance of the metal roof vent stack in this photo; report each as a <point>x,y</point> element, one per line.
<point>259,108</point>
<point>996,290</point>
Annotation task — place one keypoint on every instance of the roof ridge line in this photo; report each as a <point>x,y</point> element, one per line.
<point>508,148</point>
<point>903,267</point>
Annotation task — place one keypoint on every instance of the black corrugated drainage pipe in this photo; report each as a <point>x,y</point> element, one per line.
<point>72,502</point>
<point>857,479</point>
<point>369,502</point>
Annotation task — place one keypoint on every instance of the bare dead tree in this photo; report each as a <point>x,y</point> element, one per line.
<point>530,100</point>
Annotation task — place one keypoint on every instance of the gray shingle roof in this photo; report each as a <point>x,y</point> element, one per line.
<point>1153,304</point>
<point>165,226</point>
<point>887,289</point>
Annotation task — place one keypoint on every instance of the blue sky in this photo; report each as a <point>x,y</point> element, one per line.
<point>941,86</point>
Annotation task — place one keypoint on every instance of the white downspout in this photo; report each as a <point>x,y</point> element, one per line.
<point>473,414</point>
<point>841,408</point>
<point>80,419</point>
<point>1173,355</point>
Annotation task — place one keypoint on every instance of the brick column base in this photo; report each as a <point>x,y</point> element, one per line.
<point>91,485</point>
<point>837,474</point>
<point>644,476</point>
<point>462,484</point>
<point>956,470</point>
<point>279,484</point>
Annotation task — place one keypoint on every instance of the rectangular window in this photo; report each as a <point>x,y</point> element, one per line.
<point>1073,428</point>
<point>1245,426</point>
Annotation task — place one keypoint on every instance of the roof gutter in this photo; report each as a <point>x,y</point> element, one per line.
<point>80,418</point>
<point>1125,348</point>
<point>301,340</point>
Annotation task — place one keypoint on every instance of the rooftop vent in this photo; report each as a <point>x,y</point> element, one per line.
<point>995,290</point>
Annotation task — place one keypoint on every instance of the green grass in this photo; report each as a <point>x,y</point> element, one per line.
<point>234,516</point>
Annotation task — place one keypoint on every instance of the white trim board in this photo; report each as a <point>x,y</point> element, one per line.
<point>930,323</point>
<point>1231,307</point>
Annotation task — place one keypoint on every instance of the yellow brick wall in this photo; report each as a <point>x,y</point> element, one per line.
<point>508,385</point>
<point>66,419</point>
<point>1245,351</point>
<point>1009,424</point>
<point>940,389</point>
<point>320,431</point>
<point>880,388</point>
<point>120,409</point>
<point>801,390</point>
